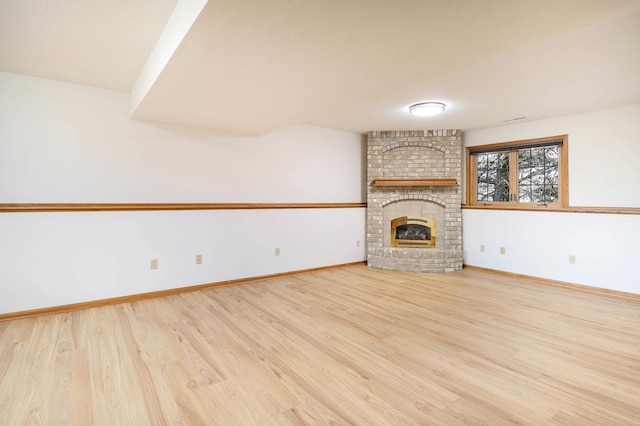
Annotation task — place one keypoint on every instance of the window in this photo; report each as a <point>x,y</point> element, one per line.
<point>523,174</point>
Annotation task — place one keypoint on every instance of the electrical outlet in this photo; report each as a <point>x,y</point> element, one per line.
<point>154,263</point>
<point>277,251</point>
<point>198,259</point>
<point>572,259</point>
<point>482,248</point>
<point>503,250</point>
<point>357,243</point>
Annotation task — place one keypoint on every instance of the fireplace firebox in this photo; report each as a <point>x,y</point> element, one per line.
<point>413,231</point>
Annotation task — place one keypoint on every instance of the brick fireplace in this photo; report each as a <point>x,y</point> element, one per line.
<point>414,181</point>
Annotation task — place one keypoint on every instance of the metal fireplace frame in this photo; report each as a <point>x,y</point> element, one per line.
<point>416,242</point>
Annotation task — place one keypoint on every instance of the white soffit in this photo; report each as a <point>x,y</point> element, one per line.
<point>179,23</point>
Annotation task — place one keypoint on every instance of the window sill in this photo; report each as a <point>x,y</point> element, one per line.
<point>571,209</point>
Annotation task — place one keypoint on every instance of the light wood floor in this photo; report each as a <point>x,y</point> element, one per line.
<point>351,345</point>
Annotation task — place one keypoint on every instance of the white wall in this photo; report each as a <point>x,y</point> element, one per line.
<point>604,147</point>
<point>67,143</point>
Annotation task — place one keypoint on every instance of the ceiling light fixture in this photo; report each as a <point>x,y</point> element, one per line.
<point>426,109</point>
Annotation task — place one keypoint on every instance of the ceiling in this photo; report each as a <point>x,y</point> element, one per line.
<point>256,66</point>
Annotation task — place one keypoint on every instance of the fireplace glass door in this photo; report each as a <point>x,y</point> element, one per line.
<point>413,231</point>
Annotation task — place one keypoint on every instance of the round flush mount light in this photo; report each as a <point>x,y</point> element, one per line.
<point>426,109</point>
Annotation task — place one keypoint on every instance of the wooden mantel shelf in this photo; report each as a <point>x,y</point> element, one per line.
<point>416,182</point>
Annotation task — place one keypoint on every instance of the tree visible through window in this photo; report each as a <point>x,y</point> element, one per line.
<point>531,172</point>
<point>493,176</point>
<point>538,175</point>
